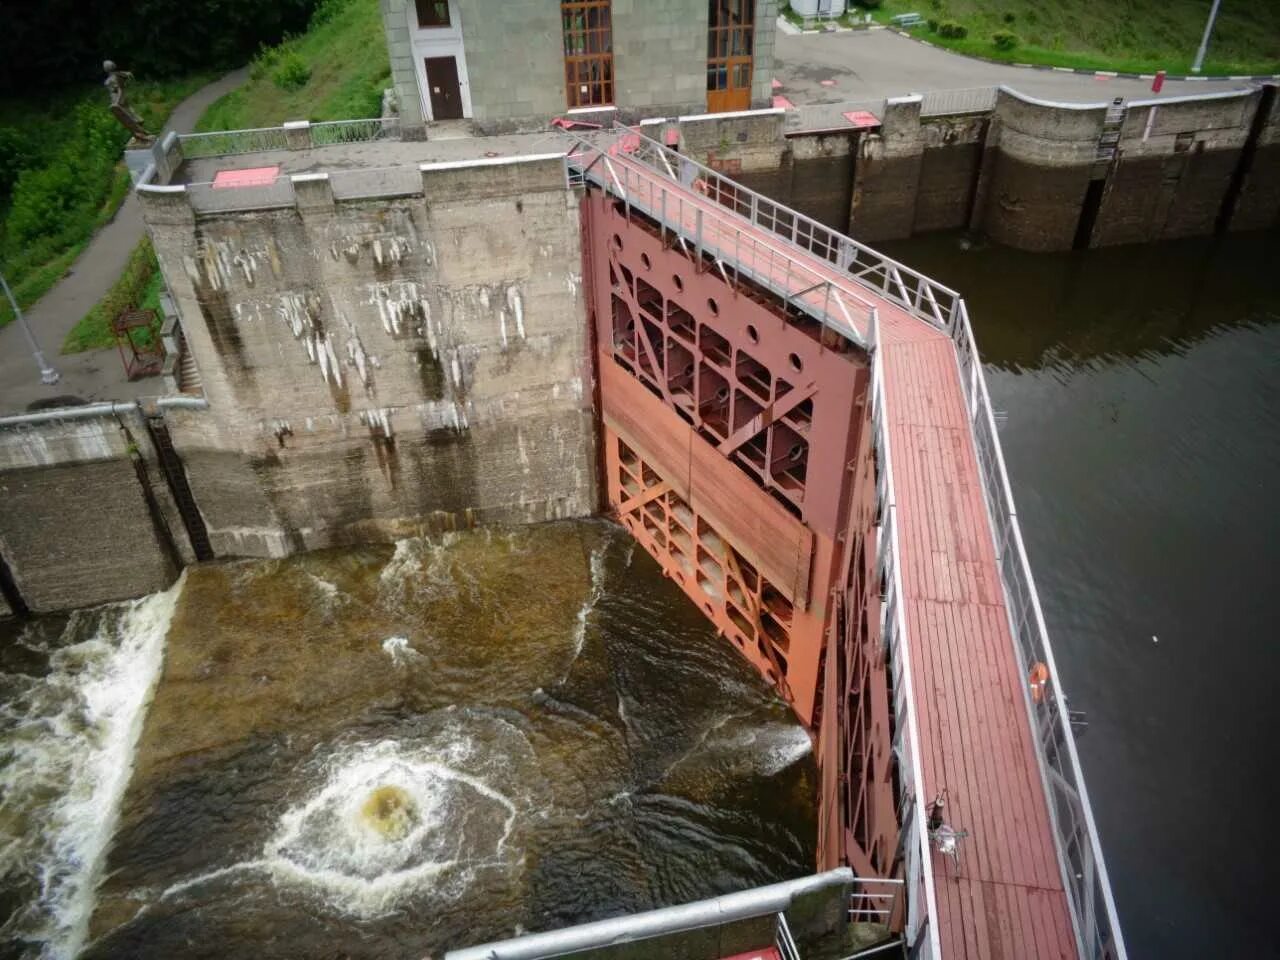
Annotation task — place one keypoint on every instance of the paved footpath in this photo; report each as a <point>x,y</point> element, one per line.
<point>870,64</point>
<point>98,374</point>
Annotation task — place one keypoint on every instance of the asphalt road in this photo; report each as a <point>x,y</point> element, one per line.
<point>873,64</point>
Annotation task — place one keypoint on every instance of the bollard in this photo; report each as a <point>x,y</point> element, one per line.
<point>1158,82</point>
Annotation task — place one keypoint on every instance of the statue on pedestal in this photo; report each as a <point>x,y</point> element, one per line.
<point>115,83</point>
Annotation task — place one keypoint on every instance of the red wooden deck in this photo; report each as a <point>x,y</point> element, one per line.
<point>1006,900</point>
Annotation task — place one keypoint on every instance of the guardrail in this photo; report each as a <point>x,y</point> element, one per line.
<point>354,131</point>
<point>231,142</point>
<point>920,933</point>
<point>1093,910</point>
<point>783,941</point>
<point>876,900</point>
<point>937,103</point>
<point>643,174</point>
<point>913,291</point>
<point>299,135</point>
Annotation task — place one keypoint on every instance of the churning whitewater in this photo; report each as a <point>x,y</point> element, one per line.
<point>69,738</point>
<point>391,751</point>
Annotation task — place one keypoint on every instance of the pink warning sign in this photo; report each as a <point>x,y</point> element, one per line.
<point>862,118</point>
<point>249,177</point>
<point>780,101</point>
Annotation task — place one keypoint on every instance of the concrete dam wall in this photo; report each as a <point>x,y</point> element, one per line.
<point>1033,174</point>
<point>374,368</point>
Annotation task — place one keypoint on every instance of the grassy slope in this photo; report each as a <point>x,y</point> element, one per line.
<point>1139,36</point>
<point>48,123</point>
<point>346,52</point>
<point>347,55</point>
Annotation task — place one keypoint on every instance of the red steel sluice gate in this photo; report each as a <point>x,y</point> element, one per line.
<point>736,450</point>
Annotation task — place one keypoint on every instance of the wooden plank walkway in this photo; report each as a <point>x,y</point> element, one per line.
<point>1006,900</point>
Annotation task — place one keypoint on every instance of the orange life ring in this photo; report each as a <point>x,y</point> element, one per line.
<point>1039,677</point>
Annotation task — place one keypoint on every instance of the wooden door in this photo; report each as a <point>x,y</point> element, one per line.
<point>730,42</point>
<point>442,85</point>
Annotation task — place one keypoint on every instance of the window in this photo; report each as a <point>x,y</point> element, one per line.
<point>588,52</point>
<point>730,37</point>
<point>432,13</point>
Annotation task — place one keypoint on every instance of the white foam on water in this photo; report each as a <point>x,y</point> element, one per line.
<point>400,651</point>
<point>589,604</point>
<point>72,737</point>
<point>329,844</point>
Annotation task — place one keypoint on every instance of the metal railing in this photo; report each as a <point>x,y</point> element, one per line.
<point>231,142</point>
<point>354,131</point>
<point>876,900</point>
<point>919,930</point>
<point>607,159</point>
<point>887,278</point>
<point>294,136</point>
<point>667,187</point>
<point>1093,910</point>
<point>783,941</point>
<point>937,103</point>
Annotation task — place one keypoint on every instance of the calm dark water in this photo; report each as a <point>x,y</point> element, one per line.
<point>1142,393</point>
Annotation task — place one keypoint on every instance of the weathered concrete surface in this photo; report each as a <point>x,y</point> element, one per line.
<point>1044,156</point>
<point>952,156</point>
<point>1258,204</point>
<point>734,143</point>
<point>887,174</point>
<point>87,516</point>
<point>383,367</point>
<point>1173,168</point>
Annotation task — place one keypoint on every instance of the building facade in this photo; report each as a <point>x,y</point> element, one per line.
<point>516,64</point>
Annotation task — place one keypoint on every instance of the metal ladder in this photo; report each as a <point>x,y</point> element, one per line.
<point>176,476</point>
<point>1109,140</point>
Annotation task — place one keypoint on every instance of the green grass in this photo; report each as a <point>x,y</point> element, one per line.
<point>73,178</point>
<point>139,286</point>
<point>1133,36</point>
<point>337,70</point>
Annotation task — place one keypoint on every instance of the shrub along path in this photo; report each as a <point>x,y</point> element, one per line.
<point>95,375</point>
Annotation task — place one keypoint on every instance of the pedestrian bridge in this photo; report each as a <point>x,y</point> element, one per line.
<point>798,429</point>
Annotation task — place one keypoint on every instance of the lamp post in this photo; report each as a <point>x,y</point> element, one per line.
<point>47,373</point>
<point>1204,41</point>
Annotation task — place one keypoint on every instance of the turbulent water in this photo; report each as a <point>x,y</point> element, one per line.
<point>388,752</point>
<point>74,694</point>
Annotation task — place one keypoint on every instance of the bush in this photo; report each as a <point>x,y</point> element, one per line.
<point>16,155</point>
<point>1009,17</point>
<point>68,189</point>
<point>134,289</point>
<point>292,72</point>
<point>1004,39</point>
<point>952,30</point>
<point>932,24</point>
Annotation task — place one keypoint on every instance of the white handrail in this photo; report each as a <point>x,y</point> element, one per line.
<point>921,932</point>
<point>1084,871</point>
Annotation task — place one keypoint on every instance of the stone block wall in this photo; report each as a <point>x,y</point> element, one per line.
<point>387,366</point>
<point>734,143</point>
<point>887,174</point>
<point>515,59</point>
<point>950,160</point>
<point>660,55</point>
<point>1173,168</point>
<point>1044,153</point>
<point>395,20</point>
<point>87,516</point>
